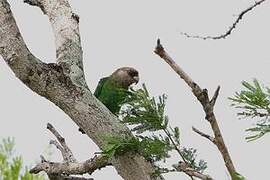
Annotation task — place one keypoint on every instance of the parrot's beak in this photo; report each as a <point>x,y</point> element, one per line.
<point>136,79</point>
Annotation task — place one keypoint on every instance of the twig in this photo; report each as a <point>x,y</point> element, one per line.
<point>163,54</point>
<point>183,167</point>
<point>65,150</point>
<point>207,104</point>
<point>231,28</point>
<point>214,98</point>
<point>176,148</point>
<point>210,138</point>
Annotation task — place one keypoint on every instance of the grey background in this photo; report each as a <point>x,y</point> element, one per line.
<point>123,33</point>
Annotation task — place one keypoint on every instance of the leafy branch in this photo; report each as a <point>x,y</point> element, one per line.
<point>11,167</point>
<point>154,137</point>
<point>254,102</point>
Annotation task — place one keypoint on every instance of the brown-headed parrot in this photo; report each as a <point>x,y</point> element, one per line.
<point>113,90</point>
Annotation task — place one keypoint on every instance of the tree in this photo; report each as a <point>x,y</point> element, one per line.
<point>63,84</point>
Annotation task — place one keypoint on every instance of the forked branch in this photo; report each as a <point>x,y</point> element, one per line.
<point>70,166</point>
<point>207,104</point>
<point>65,25</point>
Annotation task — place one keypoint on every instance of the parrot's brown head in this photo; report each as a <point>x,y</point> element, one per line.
<point>126,76</point>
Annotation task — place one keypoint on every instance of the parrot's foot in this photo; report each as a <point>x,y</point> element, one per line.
<point>82,131</point>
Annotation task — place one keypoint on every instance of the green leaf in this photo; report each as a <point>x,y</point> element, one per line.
<point>254,102</point>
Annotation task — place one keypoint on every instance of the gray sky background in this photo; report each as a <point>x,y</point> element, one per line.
<point>123,33</point>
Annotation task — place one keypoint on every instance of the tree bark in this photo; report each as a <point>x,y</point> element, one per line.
<point>63,82</point>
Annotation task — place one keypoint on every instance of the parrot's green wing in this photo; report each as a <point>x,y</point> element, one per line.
<point>99,86</point>
<point>111,94</point>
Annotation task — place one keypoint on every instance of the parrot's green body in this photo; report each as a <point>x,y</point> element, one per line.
<point>111,94</point>
<point>113,90</point>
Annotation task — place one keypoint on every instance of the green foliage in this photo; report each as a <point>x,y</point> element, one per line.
<point>10,165</point>
<point>144,111</point>
<point>117,145</point>
<point>190,156</point>
<point>260,130</point>
<point>153,149</point>
<point>154,138</point>
<point>254,102</point>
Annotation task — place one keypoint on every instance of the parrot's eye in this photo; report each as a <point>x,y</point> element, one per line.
<point>133,73</point>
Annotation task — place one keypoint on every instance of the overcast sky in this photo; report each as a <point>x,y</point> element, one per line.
<point>123,33</point>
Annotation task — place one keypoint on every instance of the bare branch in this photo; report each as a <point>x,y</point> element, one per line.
<point>58,146</point>
<point>214,98</point>
<point>183,167</point>
<point>71,168</point>
<point>210,138</point>
<point>65,25</point>
<point>43,158</point>
<point>65,150</point>
<point>203,98</point>
<point>163,54</point>
<point>229,31</point>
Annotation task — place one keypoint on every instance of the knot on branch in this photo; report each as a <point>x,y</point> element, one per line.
<point>203,97</point>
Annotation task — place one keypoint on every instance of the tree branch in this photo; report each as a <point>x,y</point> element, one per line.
<point>231,28</point>
<point>214,98</point>
<point>159,50</point>
<point>207,104</point>
<point>12,46</point>
<point>183,167</point>
<point>210,138</point>
<point>70,166</point>
<point>65,150</point>
<point>65,26</point>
